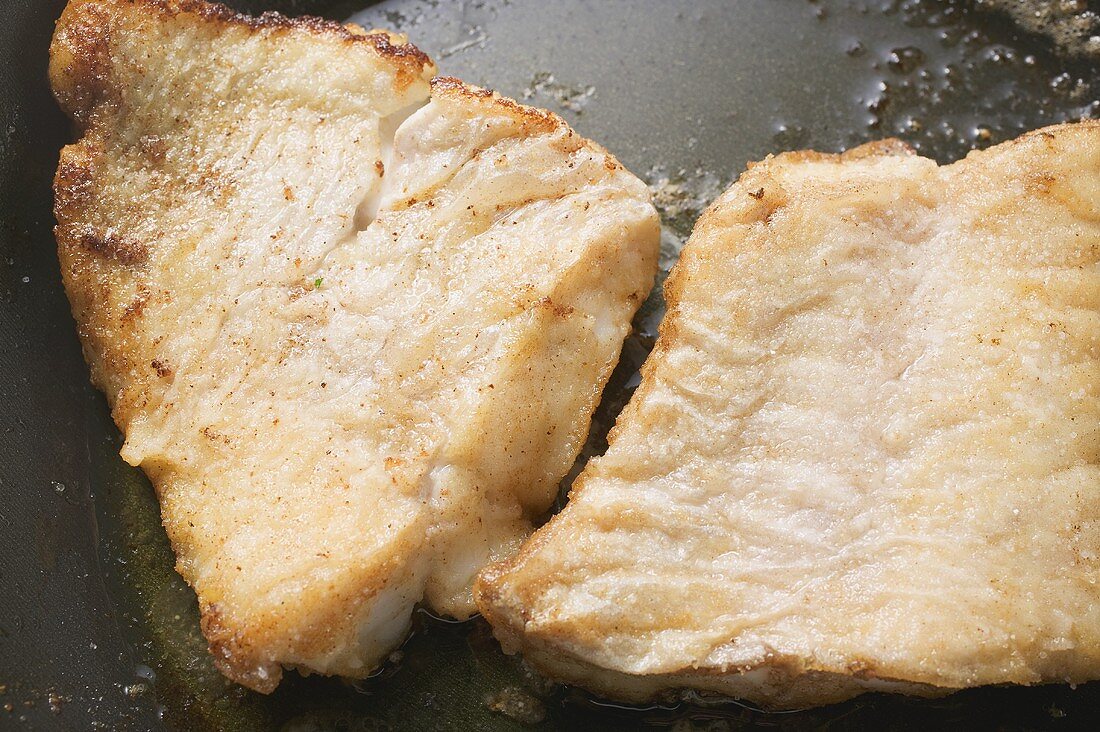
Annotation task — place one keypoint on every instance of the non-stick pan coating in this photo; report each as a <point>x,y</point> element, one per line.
<point>95,627</point>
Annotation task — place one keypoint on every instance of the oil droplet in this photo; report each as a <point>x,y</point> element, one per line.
<point>906,59</point>
<point>790,136</point>
<point>134,690</point>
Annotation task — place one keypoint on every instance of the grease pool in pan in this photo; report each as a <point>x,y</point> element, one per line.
<point>684,93</point>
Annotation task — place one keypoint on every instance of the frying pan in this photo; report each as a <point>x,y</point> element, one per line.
<point>97,631</point>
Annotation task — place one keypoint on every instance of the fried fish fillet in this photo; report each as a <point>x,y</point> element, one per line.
<point>354,350</point>
<point>865,452</point>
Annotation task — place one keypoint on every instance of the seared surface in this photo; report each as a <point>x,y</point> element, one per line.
<point>354,362</point>
<point>865,453</point>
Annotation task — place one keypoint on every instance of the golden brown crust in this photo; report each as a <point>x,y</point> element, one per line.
<point>232,657</point>
<point>79,62</point>
<point>119,248</point>
<point>163,189</point>
<point>72,186</point>
<point>385,43</point>
<point>534,120</point>
<point>876,148</point>
<point>561,650</point>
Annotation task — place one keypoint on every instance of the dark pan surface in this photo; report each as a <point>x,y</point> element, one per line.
<point>96,630</point>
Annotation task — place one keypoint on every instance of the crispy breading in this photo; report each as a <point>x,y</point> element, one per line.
<point>354,350</point>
